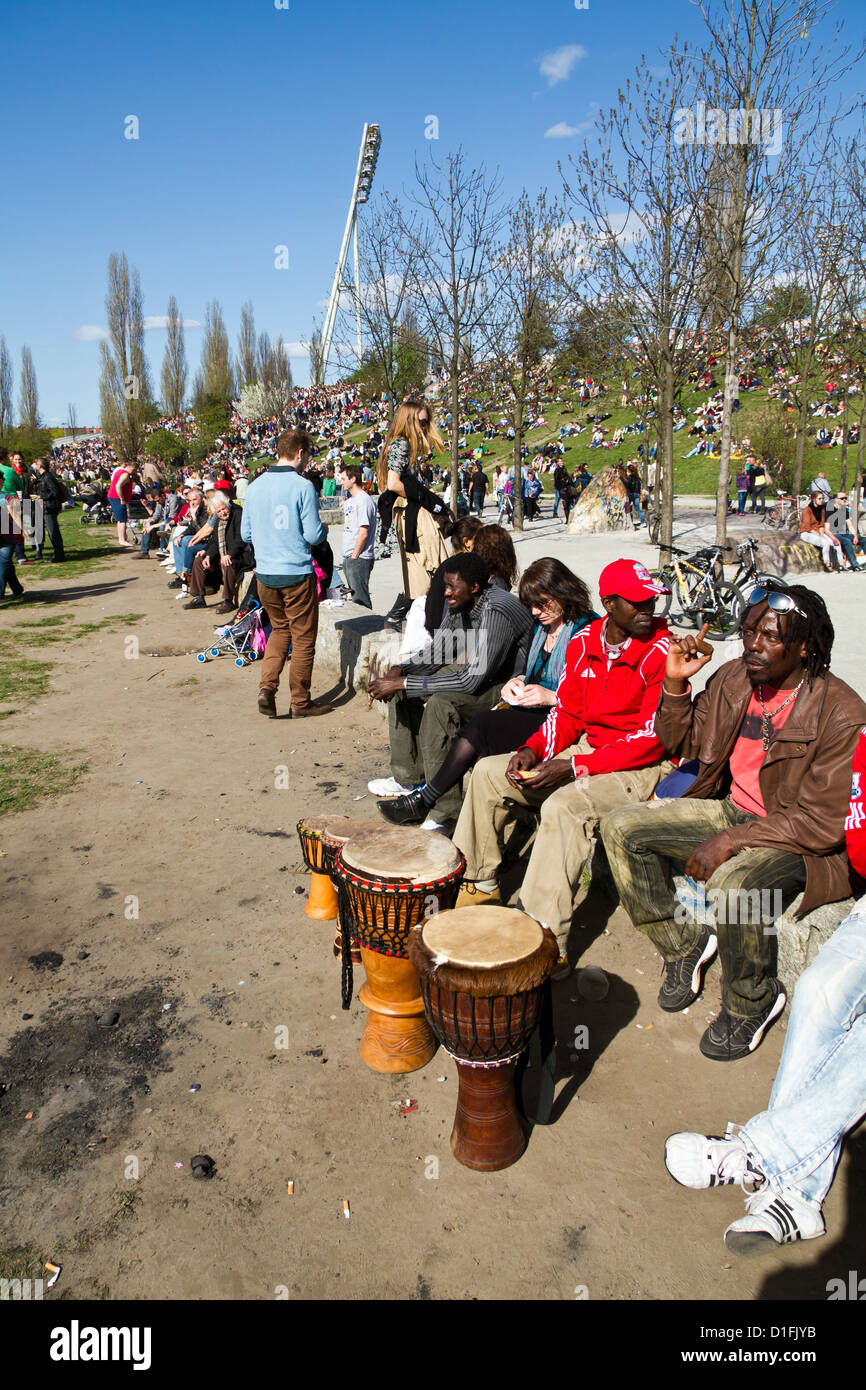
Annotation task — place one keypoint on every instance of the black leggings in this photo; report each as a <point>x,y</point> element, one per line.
<point>495,731</point>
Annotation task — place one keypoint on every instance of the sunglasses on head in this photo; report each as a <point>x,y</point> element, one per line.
<point>777,600</point>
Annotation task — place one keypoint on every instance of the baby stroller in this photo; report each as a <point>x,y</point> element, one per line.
<point>244,639</point>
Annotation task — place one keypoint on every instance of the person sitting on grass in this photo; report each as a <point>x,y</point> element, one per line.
<point>774,733</point>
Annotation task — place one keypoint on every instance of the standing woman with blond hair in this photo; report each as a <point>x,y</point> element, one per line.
<point>408,505</point>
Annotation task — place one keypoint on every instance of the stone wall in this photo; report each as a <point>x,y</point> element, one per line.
<point>783,553</point>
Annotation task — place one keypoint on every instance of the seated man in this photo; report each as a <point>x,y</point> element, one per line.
<point>441,693</point>
<point>774,733</point>
<point>221,559</point>
<point>603,722</point>
<point>785,1158</point>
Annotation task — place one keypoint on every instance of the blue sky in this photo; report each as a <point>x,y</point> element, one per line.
<point>250,119</point>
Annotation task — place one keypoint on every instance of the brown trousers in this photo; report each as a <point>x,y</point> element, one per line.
<point>294,616</point>
<point>197,578</point>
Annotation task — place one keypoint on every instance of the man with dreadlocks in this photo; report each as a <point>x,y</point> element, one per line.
<point>774,734</point>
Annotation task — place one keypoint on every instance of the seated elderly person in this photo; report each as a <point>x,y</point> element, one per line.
<point>596,750</point>
<point>194,525</point>
<point>774,734</point>
<point>222,557</point>
<point>481,643</point>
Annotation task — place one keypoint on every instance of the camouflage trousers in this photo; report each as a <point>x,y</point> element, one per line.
<point>745,895</point>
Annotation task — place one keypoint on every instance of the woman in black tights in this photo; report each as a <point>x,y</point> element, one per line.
<point>559,603</point>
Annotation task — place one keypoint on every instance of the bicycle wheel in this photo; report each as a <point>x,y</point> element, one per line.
<point>724,618</point>
<point>663,602</point>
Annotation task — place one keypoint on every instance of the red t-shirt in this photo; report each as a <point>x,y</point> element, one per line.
<point>855,825</point>
<point>748,756</point>
<point>124,492</point>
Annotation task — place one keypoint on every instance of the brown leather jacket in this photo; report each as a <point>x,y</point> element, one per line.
<point>805,778</point>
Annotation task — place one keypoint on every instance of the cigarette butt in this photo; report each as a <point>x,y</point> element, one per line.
<point>290,1188</point>
<point>346,1212</point>
<point>54,1271</point>
<point>29,1115</point>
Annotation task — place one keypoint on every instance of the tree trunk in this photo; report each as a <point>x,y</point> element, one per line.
<point>665,459</point>
<point>843,484</point>
<point>731,377</point>
<point>799,454</point>
<point>455,428</point>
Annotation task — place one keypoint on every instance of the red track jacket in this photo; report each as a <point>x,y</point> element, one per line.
<point>615,708</point>
<point>855,825</point>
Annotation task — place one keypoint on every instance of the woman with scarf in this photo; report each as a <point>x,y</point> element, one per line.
<point>559,602</point>
<point>406,503</point>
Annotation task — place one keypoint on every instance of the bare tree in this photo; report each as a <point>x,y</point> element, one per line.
<point>638,191</point>
<point>216,372</point>
<point>247,346</point>
<point>28,397</point>
<point>767,79</point>
<point>6,406</point>
<point>317,357</point>
<point>525,302</point>
<point>853,287</point>
<point>174,368</point>
<point>125,393</point>
<point>451,222</point>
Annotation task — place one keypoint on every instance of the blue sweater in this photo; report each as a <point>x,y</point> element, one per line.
<point>281,518</point>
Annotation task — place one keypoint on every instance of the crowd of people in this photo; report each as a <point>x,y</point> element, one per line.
<point>520,698</point>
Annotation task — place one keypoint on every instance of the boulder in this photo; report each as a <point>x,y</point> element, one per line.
<point>601,506</point>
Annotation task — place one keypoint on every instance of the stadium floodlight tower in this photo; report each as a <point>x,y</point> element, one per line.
<point>371,141</point>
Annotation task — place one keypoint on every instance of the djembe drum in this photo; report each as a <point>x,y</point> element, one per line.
<point>322,897</point>
<point>393,879</point>
<point>338,830</point>
<point>482,970</point>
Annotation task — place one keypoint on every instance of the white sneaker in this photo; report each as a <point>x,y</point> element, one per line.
<point>701,1160</point>
<point>774,1217</point>
<point>431,824</point>
<point>388,786</point>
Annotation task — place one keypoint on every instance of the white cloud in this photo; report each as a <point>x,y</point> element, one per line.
<point>161,321</point>
<point>90,333</point>
<point>561,131</point>
<point>556,66</point>
<point>297,349</point>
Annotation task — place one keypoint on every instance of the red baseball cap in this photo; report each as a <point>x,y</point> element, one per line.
<point>630,580</point>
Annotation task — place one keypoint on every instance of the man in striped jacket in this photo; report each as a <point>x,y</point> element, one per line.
<point>597,750</point>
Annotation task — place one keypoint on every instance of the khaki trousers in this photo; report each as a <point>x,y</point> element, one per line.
<point>569,822</point>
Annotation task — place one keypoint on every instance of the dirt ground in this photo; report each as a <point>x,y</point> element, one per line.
<point>180,821</point>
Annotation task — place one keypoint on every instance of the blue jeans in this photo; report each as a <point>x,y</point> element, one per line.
<point>184,554</point>
<point>557,497</point>
<point>7,569</point>
<point>847,544</point>
<point>820,1088</point>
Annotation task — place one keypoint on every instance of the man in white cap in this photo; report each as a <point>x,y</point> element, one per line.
<point>597,750</point>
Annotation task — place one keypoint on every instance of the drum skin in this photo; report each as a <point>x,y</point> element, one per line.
<point>484,1012</point>
<point>322,898</point>
<point>384,906</point>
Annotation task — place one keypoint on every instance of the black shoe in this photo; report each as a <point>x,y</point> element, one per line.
<point>728,1037</point>
<point>404,810</point>
<point>682,978</point>
<point>175,583</point>
<point>268,703</point>
<point>397,615</point>
<point>195,602</point>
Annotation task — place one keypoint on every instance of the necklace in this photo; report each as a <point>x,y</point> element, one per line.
<point>767,719</point>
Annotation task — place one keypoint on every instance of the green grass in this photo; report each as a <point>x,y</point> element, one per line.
<point>22,1262</point>
<point>23,680</point>
<point>28,777</point>
<point>87,548</point>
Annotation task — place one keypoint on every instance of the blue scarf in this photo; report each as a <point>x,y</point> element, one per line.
<point>556,659</point>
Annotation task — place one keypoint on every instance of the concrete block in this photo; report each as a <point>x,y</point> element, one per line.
<point>349,636</point>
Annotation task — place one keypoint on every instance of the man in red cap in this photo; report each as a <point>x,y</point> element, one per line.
<point>597,750</point>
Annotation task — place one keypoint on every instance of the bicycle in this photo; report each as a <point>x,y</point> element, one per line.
<point>748,575</point>
<point>784,515</point>
<point>702,598</point>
